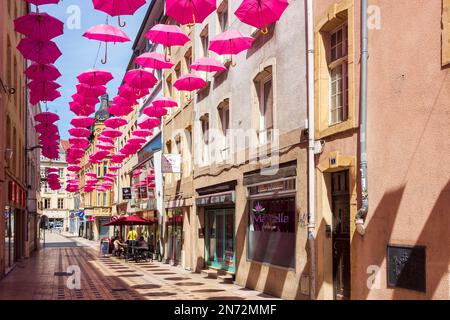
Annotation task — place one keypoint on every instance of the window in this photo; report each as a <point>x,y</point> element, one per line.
<point>99,198</point>
<point>61,172</point>
<point>264,87</point>
<point>204,41</point>
<point>224,123</point>
<point>99,170</point>
<point>205,138</point>
<point>222,14</point>
<point>105,167</point>
<point>46,203</point>
<point>180,93</point>
<point>60,203</point>
<point>338,75</point>
<point>105,199</point>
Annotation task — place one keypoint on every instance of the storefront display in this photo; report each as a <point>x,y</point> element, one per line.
<point>174,235</point>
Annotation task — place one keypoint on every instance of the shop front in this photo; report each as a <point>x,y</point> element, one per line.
<point>174,231</point>
<point>218,210</point>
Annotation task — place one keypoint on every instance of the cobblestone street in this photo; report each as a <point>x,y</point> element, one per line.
<point>42,277</point>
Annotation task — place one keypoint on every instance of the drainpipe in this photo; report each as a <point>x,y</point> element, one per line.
<point>362,212</point>
<point>311,158</point>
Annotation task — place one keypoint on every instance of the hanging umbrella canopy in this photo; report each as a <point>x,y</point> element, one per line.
<point>82,121</point>
<point>105,146</point>
<point>79,142</point>
<point>146,122</point>
<point>91,174</point>
<point>130,221</point>
<point>51,95</point>
<point>92,91</point>
<point>208,65</point>
<point>112,133</point>
<point>190,11</point>
<point>152,111</point>
<point>136,141</point>
<point>42,87</point>
<point>118,157</point>
<point>115,122</point>
<point>141,133</point>
<point>39,26</point>
<point>167,35</point>
<point>165,103</point>
<point>130,94</point>
<point>42,72</point>
<point>81,110</point>
<point>106,33</point>
<point>39,51</point>
<point>119,111</point>
<point>230,42</point>
<point>140,79</point>
<point>261,13</point>
<point>118,7</point>
<point>189,82</point>
<point>79,132</point>
<point>84,100</point>
<point>74,168</point>
<point>46,117</point>
<point>114,168</point>
<point>154,60</point>
<point>105,139</point>
<point>45,128</point>
<point>42,2</point>
<point>95,77</point>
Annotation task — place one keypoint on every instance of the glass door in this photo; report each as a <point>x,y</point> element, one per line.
<point>220,247</point>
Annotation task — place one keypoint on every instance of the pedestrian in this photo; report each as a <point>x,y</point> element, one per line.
<point>132,236</point>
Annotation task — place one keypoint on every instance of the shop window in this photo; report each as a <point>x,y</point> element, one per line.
<point>264,89</point>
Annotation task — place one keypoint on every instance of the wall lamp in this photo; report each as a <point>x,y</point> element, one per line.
<point>6,88</point>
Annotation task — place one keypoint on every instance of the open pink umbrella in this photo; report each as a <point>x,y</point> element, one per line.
<point>43,52</point>
<point>79,132</point>
<point>46,128</point>
<point>141,133</point>
<point>120,111</point>
<point>39,26</point>
<point>105,139</point>
<point>165,103</point>
<point>115,122</point>
<point>83,100</point>
<point>112,133</point>
<point>114,168</point>
<point>79,142</point>
<point>167,35</point>
<point>261,13</point>
<point>189,82</point>
<point>46,117</point>
<point>74,168</point>
<point>118,157</point>
<point>92,91</point>
<point>140,79</point>
<point>208,65</point>
<point>230,42</point>
<point>154,60</point>
<point>81,110</point>
<point>47,96</point>
<point>136,141</point>
<point>146,122</point>
<point>41,90</point>
<point>190,11</point>
<point>95,77</point>
<point>152,111</point>
<point>42,72</point>
<point>105,146</point>
<point>91,174</point>
<point>118,7</point>
<point>82,121</point>
<point>130,94</point>
<point>106,33</point>
<point>42,2</point>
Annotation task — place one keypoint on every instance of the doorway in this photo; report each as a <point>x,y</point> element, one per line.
<point>340,202</point>
<point>220,242</point>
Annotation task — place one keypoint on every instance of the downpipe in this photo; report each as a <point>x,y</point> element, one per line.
<point>362,212</point>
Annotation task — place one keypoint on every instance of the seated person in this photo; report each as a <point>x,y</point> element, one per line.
<point>118,246</point>
<point>141,243</point>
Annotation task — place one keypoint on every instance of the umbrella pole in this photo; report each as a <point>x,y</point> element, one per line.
<point>120,24</point>
<point>105,60</point>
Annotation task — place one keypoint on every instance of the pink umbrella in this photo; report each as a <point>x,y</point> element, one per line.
<point>140,79</point>
<point>82,121</point>
<point>154,60</point>
<point>118,7</point>
<point>141,133</point>
<point>45,128</point>
<point>95,77</point>
<point>92,91</point>
<point>112,133</point>
<point>165,103</point>
<point>105,139</point>
<point>146,122</point>
<point>106,33</point>
<point>42,87</point>
<point>152,111</point>
<point>118,157</point>
<point>131,94</point>
<point>136,141</point>
<point>83,100</point>
<point>261,14</point>
<point>91,174</point>
<point>42,2</point>
<point>42,72</point>
<point>167,35</point>
<point>79,132</point>
<point>74,168</point>
<point>208,65</point>
<point>43,52</point>
<point>190,11</point>
<point>120,111</point>
<point>114,168</point>
<point>81,110</point>
<point>39,26</point>
<point>230,42</point>
<point>105,146</point>
<point>46,117</point>
<point>189,82</point>
<point>79,142</point>
<point>115,122</point>
<point>48,96</point>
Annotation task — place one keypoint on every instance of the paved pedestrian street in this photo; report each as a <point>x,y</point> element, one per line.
<point>44,277</point>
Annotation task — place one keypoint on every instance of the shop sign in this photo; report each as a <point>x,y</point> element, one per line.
<point>142,192</point>
<point>406,267</point>
<point>171,163</point>
<point>216,199</point>
<point>126,193</point>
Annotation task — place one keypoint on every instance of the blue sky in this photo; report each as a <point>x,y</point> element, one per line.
<point>79,53</point>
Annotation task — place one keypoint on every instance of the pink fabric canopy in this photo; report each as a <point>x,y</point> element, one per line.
<point>74,168</point>
<point>167,35</point>
<point>118,7</point>
<point>106,33</point>
<point>136,141</point>
<point>42,72</point>
<point>189,82</point>
<point>82,121</point>
<point>141,133</point>
<point>146,122</point>
<point>39,26</point>
<point>79,132</point>
<point>165,103</point>
<point>261,14</point>
<point>154,60</point>
<point>95,77</point>
<point>112,133</point>
<point>93,91</point>
<point>230,42</point>
<point>208,65</point>
<point>140,79</point>
<point>115,122</point>
<point>152,111</point>
<point>43,52</point>
<point>42,2</point>
<point>190,11</point>
<point>46,117</point>
<point>105,139</point>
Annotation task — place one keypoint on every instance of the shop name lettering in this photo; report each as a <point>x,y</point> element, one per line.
<point>272,218</point>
